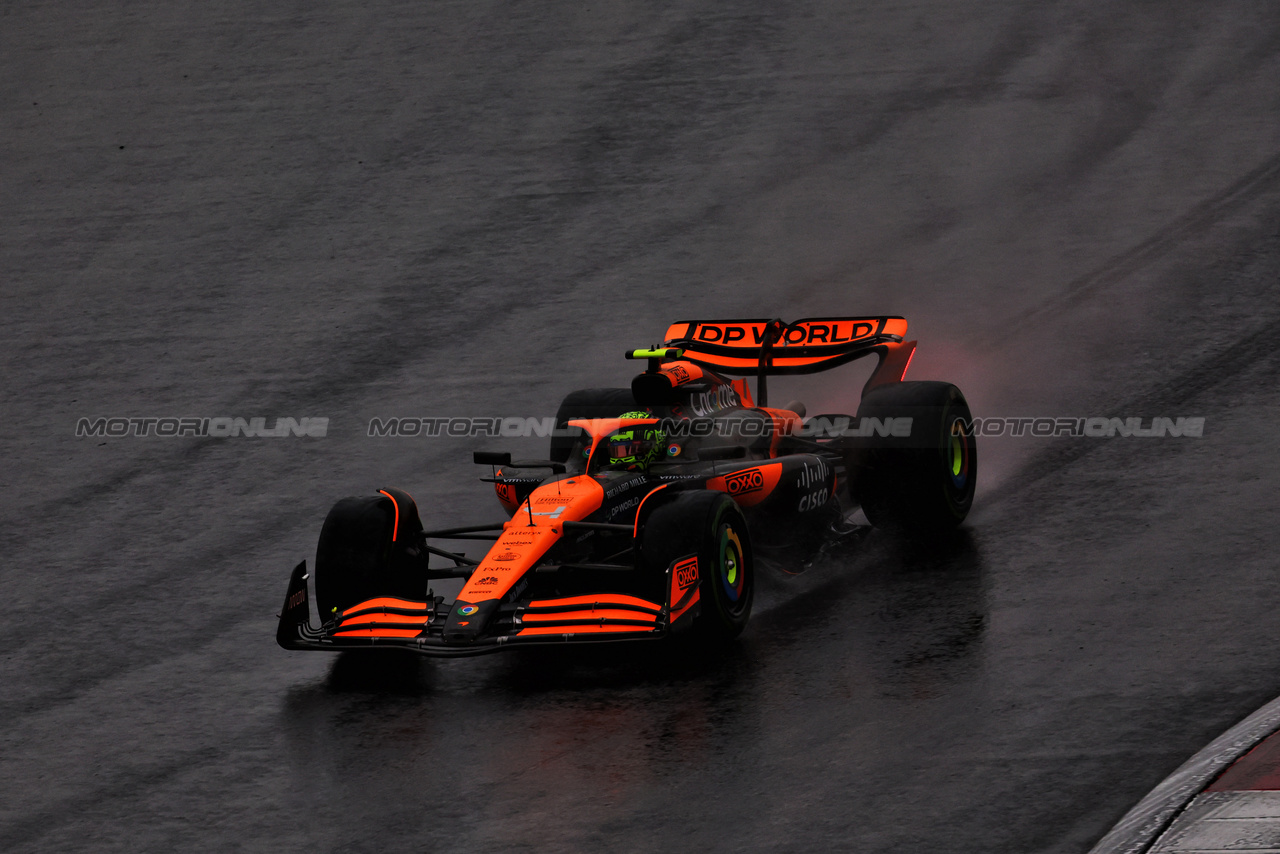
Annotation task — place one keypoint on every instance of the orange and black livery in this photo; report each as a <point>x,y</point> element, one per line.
<point>657,502</point>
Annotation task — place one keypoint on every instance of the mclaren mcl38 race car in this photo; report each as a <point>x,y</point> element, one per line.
<point>656,501</point>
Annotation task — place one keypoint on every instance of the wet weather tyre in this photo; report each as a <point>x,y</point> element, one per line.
<point>710,525</point>
<point>586,403</point>
<point>369,547</point>
<point>923,483</point>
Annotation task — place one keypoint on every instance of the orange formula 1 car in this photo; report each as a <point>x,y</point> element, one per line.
<point>656,501</point>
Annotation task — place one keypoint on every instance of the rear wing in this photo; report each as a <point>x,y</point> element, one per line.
<point>772,347</point>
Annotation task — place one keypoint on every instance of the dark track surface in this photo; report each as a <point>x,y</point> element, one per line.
<point>470,208</point>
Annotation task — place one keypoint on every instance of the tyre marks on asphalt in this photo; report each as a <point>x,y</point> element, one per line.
<point>1175,235</point>
<point>1206,356</point>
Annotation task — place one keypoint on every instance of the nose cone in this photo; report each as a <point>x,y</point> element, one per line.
<point>467,620</point>
<point>525,540</point>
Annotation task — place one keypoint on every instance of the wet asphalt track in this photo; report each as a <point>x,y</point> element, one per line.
<point>470,208</point>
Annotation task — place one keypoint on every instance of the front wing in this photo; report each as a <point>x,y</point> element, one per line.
<point>387,622</point>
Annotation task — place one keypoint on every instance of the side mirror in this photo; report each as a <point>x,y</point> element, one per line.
<point>491,458</point>
<point>494,458</point>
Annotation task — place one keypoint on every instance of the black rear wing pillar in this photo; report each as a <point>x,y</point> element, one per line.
<point>772,332</point>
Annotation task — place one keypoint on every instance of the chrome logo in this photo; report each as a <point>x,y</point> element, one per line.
<point>467,610</point>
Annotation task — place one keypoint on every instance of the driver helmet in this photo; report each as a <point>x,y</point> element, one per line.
<point>636,446</point>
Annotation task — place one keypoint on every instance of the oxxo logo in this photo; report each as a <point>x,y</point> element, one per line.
<point>686,573</point>
<point>742,482</point>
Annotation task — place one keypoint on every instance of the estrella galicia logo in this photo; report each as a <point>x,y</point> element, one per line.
<point>487,580</point>
<point>686,573</point>
<point>742,482</point>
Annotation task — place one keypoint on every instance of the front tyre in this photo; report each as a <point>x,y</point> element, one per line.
<point>710,526</point>
<point>369,547</point>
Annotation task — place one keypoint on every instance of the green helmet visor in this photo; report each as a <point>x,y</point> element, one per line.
<point>625,449</point>
<point>636,446</point>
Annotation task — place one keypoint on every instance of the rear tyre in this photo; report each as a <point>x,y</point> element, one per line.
<point>586,403</point>
<point>711,526</point>
<point>922,483</point>
<point>369,547</point>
